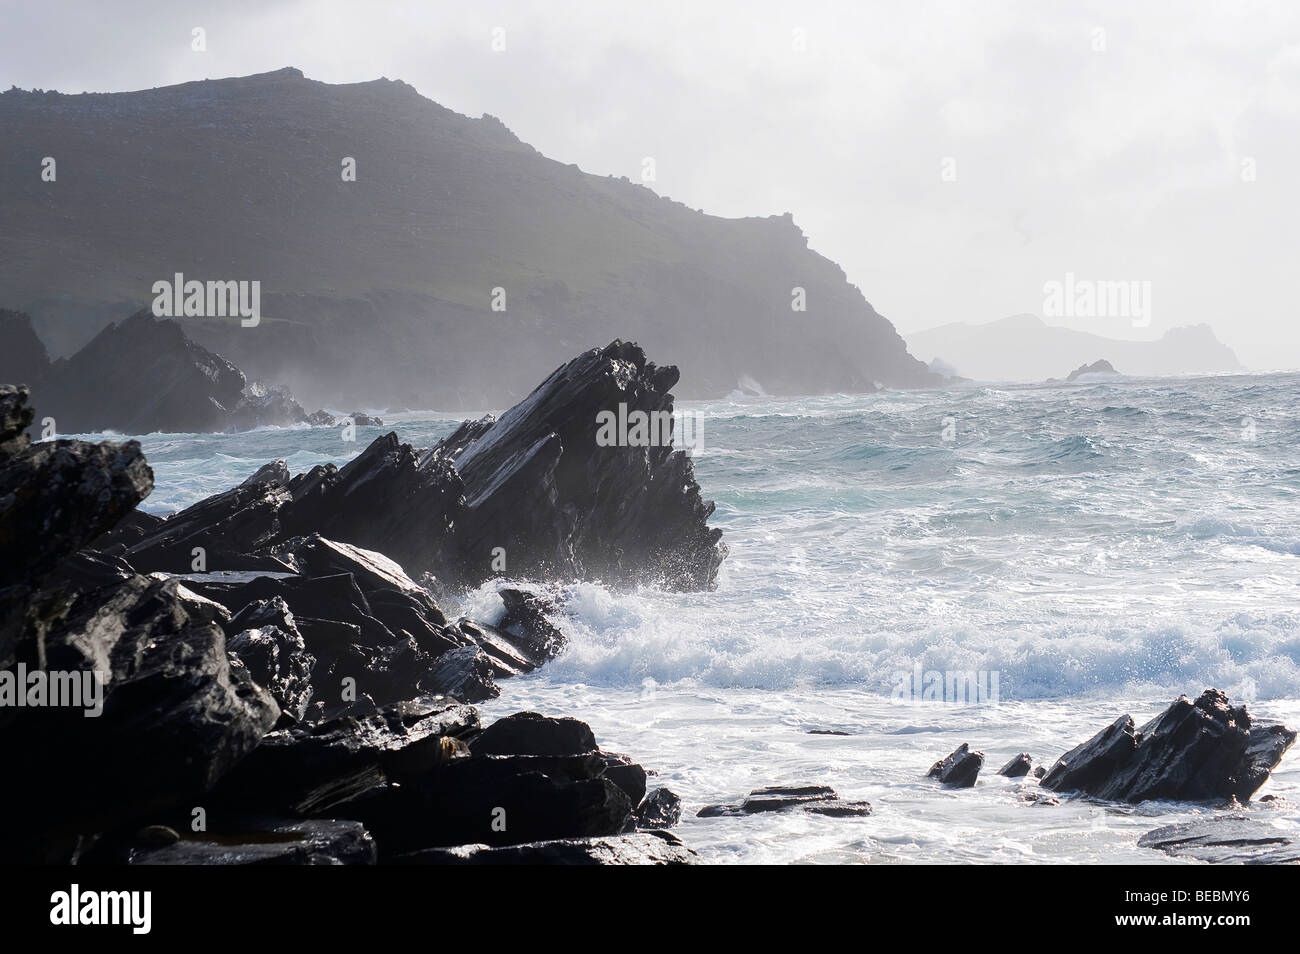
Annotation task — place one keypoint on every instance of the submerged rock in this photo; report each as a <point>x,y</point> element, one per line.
<point>1235,840</point>
<point>960,769</point>
<point>813,799</point>
<point>1202,751</point>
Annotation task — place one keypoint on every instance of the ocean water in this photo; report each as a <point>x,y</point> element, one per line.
<point>1074,552</point>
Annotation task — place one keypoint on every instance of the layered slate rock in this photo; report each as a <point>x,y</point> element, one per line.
<point>812,799</point>
<point>657,848</point>
<point>1231,840</point>
<point>1208,750</point>
<point>960,769</point>
<point>539,485</point>
<point>535,489</point>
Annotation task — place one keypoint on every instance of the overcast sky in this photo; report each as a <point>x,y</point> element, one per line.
<point>952,157</point>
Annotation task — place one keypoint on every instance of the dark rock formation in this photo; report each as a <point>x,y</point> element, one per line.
<point>304,691</point>
<point>813,799</point>
<point>960,769</point>
<point>534,489</point>
<point>653,848</point>
<point>142,375</point>
<point>1097,367</point>
<point>1203,751</point>
<point>627,775</point>
<point>539,486</point>
<point>528,620</point>
<point>309,769</point>
<point>1018,767</point>
<point>530,733</point>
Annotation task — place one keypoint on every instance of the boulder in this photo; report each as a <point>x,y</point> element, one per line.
<point>494,800</point>
<point>275,655</point>
<point>531,733</point>
<point>1202,751</point>
<point>626,774</point>
<point>528,620</point>
<point>960,769</point>
<point>1018,767</point>
<point>662,808</point>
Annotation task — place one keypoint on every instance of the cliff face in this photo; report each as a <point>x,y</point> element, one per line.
<point>380,290</point>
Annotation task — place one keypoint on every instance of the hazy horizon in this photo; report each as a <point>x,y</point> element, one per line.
<point>991,152</point>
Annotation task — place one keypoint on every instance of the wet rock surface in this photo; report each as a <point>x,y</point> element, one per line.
<point>959,769</point>
<point>1018,767</point>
